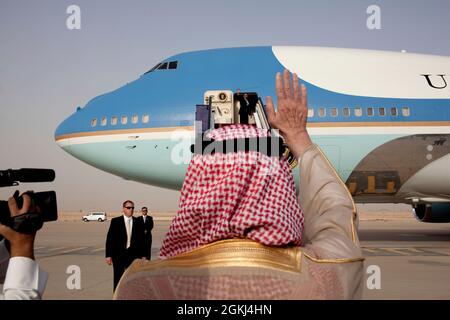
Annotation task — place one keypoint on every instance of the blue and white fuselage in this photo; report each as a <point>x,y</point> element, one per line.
<point>382,118</point>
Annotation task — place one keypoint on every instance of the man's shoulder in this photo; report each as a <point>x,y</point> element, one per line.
<point>139,219</point>
<point>116,219</point>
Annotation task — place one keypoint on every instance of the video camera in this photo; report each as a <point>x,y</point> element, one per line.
<point>44,202</point>
<point>223,107</point>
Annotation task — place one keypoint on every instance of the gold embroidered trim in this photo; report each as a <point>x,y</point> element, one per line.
<point>230,253</point>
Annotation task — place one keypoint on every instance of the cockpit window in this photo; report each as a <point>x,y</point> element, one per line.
<point>154,68</point>
<point>171,65</point>
<point>163,66</point>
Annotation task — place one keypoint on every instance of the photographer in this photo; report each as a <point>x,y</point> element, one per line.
<point>24,278</point>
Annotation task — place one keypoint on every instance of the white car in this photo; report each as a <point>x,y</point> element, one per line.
<point>95,216</point>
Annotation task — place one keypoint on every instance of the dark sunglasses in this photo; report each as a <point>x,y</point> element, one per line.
<point>129,208</point>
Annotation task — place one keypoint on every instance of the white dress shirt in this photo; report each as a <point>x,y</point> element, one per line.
<point>24,279</point>
<point>128,221</point>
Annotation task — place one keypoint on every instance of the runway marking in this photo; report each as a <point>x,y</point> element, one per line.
<point>72,250</point>
<point>373,250</point>
<point>38,248</point>
<point>396,250</point>
<point>54,249</point>
<point>98,249</point>
<point>414,250</point>
<point>404,251</point>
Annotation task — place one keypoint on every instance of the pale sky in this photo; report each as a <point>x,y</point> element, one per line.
<point>47,70</point>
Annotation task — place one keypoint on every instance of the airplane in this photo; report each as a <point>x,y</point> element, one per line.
<point>382,118</point>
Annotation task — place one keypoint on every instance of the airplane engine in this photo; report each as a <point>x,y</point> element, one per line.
<point>434,212</point>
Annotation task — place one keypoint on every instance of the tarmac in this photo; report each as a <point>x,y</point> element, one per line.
<point>411,257</point>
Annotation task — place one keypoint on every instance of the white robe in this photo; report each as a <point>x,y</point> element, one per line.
<point>22,277</point>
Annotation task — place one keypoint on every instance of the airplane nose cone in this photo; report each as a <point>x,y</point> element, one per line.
<point>61,129</point>
<point>66,128</point>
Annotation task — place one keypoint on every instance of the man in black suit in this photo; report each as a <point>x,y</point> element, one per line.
<point>125,241</point>
<point>247,106</point>
<point>147,221</point>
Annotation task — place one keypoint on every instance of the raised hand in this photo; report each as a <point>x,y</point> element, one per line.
<point>292,114</point>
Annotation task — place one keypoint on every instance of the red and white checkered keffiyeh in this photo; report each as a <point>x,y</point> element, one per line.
<point>238,194</point>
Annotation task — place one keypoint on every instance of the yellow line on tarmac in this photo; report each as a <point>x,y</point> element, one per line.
<point>57,248</point>
<point>72,250</point>
<point>414,250</point>
<point>98,249</point>
<point>396,250</point>
<point>373,250</point>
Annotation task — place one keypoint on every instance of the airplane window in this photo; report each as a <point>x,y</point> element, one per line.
<point>124,120</point>
<point>145,118</point>
<point>173,64</point>
<point>154,68</point>
<point>370,111</point>
<point>382,111</point>
<point>162,66</point>
<point>134,119</point>
<point>405,111</point>
<point>94,122</point>
<point>322,112</point>
<point>104,121</point>
<point>346,112</point>
<point>310,113</point>
<point>113,120</point>
<point>334,112</point>
<point>394,112</point>
<point>358,112</point>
